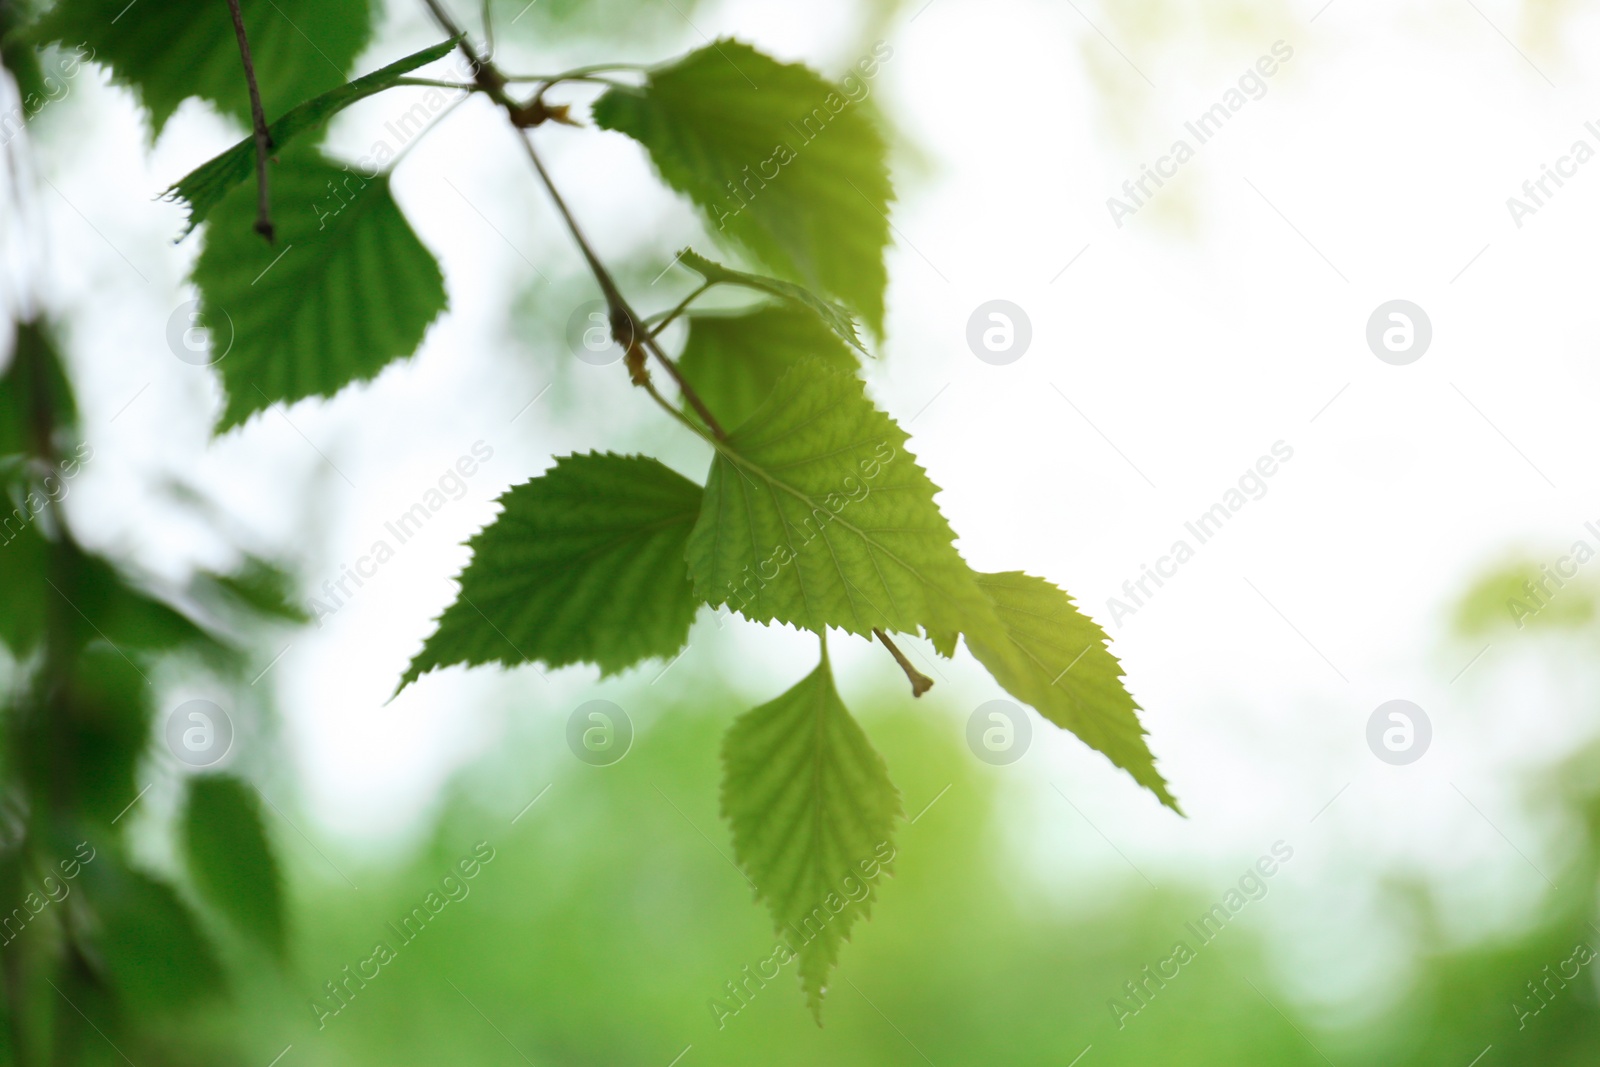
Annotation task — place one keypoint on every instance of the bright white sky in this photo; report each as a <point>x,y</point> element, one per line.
<point>1227,315</point>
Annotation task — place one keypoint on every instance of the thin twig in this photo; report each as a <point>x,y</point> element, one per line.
<point>259,119</point>
<point>493,83</point>
<point>683,305</point>
<point>920,683</point>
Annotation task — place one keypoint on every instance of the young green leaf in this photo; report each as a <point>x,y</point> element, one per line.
<point>170,50</point>
<point>812,810</point>
<point>830,314</point>
<point>816,515</point>
<point>735,361</point>
<point>347,288</point>
<point>1050,655</point>
<point>781,160</point>
<point>231,860</point>
<point>584,565</point>
<point>204,187</point>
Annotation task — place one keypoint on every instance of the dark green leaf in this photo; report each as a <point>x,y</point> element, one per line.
<point>780,159</point>
<point>146,937</point>
<point>585,564</point>
<point>96,723</point>
<point>231,859</point>
<point>346,289</point>
<point>205,186</point>
<point>812,810</point>
<point>170,50</point>
<point>816,515</point>
<point>35,392</point>
<point>735,361</point>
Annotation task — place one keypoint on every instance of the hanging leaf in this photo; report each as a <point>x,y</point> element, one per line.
<point>232,861</point>
<point>813,814</point>
<point>346,289</point>
<point>781,160</point>
<point>170,50</point>
<point>1050,655</point>
<point>817,515</point>
<point>736,361</point>
<point>584,565</point>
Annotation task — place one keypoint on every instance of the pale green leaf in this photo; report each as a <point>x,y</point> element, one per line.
<point>817,515</point>
<point>735,361</point>
<point>584,565</point>
<point>346,289</point>
<point>829,313</point>
<point>170,50</point>
<point>205,186</point>
<point>231,860</point>
<point>781,160</point>
<point>1046,653</point>
<point>812,811</point>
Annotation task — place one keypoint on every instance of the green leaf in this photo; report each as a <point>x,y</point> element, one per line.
<point>204,187</point>
<point>347,288</point>
<point>832,315</point>
<point>812,810</point>
<point>169,50</point>
<point>735,361</point>
<point>23,556</point>
<point>148,939</point>
<point>584,565</point>
<point>94,600</point>
<point>35,382</point>
<point>231,860</point>
<point>1048,654</point>
<point>816,515</point>
<point>258,591</point>
<point>779,158</point>
<point>97,721</point>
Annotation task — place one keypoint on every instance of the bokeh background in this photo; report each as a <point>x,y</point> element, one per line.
<point>1422,903</point>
